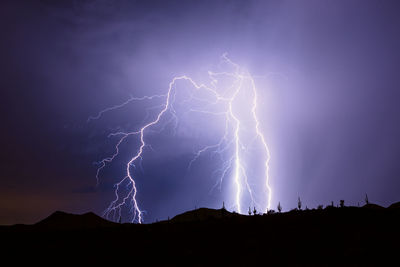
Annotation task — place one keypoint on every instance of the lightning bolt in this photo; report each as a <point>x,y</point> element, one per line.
<point>232,138</point>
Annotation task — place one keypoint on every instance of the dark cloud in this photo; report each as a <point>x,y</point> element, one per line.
<point>330,85</point>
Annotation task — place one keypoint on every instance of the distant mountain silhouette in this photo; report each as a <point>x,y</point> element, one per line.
<point>347,236</point>
<point>373,206</point>
<point>203,214</point>
<point>63,220</point>
<point>395,206</point>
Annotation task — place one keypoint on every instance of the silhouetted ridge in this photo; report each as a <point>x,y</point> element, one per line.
<point>203,214</point>
<point>373,206</point>
<point>207,237</point>
<point>63,220</point>
<point>395,206</point>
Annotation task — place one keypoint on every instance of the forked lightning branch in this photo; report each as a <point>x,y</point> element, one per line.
<point>229,98</point>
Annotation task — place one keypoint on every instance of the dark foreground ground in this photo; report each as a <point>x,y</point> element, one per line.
<point>346,236</point>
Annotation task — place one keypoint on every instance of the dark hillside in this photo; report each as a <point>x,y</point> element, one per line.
<point>203,237</point>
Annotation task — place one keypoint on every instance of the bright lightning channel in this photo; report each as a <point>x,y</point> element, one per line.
<point>231,138</point>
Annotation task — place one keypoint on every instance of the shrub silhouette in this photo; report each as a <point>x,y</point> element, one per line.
<point>366,199</point>
<point>279,207</point>
<point>341,203</point>
<point>270,212</point>
<point>299,203</point>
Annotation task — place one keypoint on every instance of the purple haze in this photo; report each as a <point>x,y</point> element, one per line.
<point>327,70</point>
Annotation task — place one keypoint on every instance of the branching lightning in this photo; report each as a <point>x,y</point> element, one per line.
<point>233,140</point>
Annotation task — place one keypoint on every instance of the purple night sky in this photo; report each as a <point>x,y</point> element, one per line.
<point>326,74</point>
